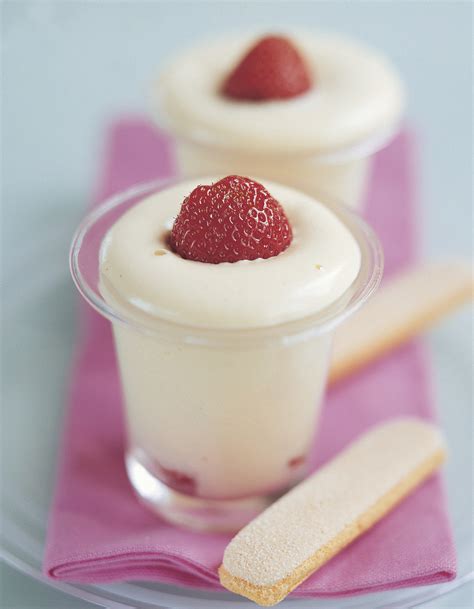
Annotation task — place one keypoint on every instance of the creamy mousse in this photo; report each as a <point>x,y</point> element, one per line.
<point>224,419</point>
<point>356,94</point>
<point>143,275</point>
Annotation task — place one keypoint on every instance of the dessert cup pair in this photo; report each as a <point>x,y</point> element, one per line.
<point>221,420</point>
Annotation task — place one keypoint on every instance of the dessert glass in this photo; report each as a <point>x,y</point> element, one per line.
<point>219,421</point>
<point>321,141</point>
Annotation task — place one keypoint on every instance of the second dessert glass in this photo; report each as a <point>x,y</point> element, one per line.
<point>219,421</point>
<point>320,141</point>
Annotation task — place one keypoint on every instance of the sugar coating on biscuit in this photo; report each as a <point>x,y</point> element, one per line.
<point>314,513</point>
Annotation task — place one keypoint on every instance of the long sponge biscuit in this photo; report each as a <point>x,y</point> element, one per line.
<point>408,304</point>
<point>306,527</point>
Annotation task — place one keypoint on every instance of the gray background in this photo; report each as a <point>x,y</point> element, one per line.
<point>69,66</point>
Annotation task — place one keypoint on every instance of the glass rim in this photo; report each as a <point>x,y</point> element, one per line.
<point>321,322</point>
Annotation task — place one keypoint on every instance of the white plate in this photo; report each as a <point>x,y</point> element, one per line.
<point>38,316</point>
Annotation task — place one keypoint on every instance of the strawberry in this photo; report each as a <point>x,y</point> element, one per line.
<point>272,69</point>
<point>233,219</point>
<point>297,461</point>
<point>177,480</point>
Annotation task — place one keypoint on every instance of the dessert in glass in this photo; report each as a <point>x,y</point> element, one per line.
<point>308,110</point>
<point>223,295</point>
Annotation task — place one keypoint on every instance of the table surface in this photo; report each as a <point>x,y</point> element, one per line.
<point>69,66</point>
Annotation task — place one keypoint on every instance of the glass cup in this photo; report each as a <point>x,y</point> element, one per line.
<point>219,421</point>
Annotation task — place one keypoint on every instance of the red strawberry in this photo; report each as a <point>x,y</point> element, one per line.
<point>272,69</point>
<point>297,461</point>
<point>233,219</point>
<point>177,480</point>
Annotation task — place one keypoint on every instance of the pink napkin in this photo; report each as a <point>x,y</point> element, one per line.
<point>98,531</point>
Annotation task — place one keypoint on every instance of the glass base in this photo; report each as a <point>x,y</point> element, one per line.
<point>192,512</point>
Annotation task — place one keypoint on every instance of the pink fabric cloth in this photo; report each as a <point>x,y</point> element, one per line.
<point>98,531</point>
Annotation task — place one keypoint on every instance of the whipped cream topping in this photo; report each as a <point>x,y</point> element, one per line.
<point>357,94</point>
<point>141,275</point>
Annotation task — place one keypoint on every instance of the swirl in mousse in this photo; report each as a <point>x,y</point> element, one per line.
<point>305,109</point>
<point>232,418</point>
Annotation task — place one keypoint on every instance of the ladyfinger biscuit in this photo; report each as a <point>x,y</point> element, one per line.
<point>301,531</point>
<point>405,306</point>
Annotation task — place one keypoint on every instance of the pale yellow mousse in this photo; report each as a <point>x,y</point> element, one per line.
<point>237,419</point>
<point>142,274</point>
<point>357,94</point>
